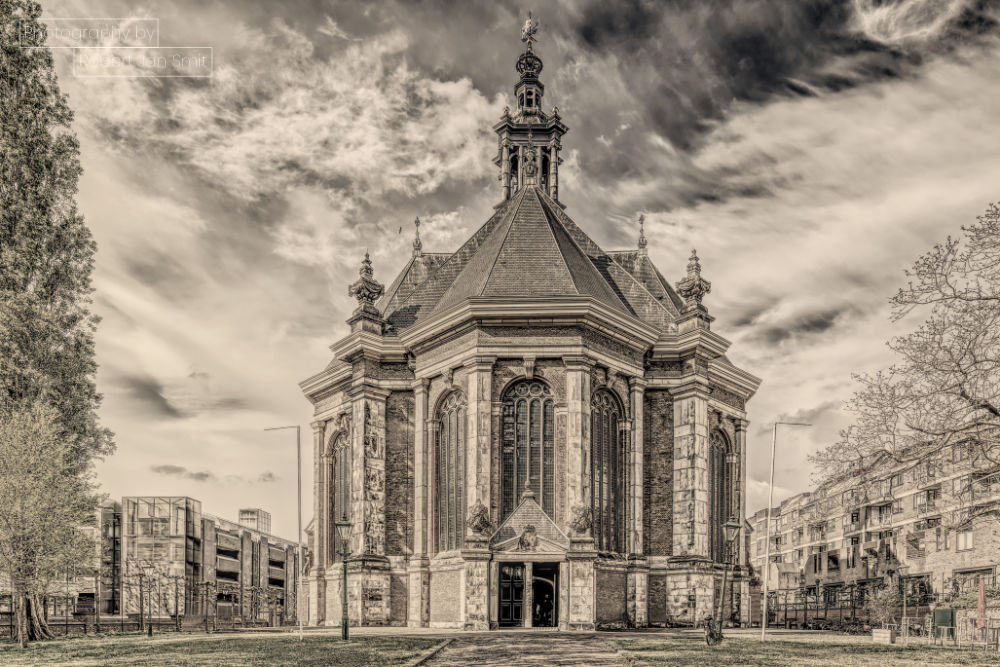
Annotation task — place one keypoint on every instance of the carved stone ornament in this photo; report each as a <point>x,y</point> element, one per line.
<point>528,540</point>
<point>529,367</point>
<point>581,519</point>
<point>479,518</point>
<point>694,288</point>
<point>449,378</point>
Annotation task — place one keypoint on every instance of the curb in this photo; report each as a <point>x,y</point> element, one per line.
<point>429,653</point>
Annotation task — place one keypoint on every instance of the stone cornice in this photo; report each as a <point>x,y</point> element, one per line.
<point>368,343</point>
<point>327,378</point>
<point>703,342</point>
<point>544,310</point>
<point>724,373</point>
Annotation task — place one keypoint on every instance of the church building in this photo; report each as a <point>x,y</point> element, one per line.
<point>529,431</point>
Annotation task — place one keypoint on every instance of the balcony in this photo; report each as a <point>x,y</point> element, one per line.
<point>929,505</point>
<point>853,527</point>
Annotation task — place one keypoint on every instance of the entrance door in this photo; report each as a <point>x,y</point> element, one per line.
<point>511,594</point>
<point>545,595</point>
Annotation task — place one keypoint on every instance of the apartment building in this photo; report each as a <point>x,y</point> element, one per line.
<point>927,524</point>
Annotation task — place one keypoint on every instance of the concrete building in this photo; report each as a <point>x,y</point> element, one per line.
<point>529,430</point>
<point>256,519</point>
<point>926,523</point>
<point>165,550</point>
<point>198,563</point>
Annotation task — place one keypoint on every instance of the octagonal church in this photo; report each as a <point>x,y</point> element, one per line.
<point>529,431</point>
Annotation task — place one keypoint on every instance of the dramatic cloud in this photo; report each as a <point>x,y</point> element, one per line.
<point>809,150</point>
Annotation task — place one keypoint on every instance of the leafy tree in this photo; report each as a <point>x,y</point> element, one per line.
<point>881,605</point>
<point>46,327</point>
<point>944,389</point>
<point>46,250</point>
<point>45,498</point>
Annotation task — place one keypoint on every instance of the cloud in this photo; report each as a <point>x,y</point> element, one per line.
<point>148,394</point>
<point>181,472</point>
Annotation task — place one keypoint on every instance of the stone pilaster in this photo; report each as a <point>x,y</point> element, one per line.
<point>742,557</point>
<point>321,494</point>
<point>690,518</point>
<point>582,589</point>
<point>637,597</point>
<point>478,441</point>
<point>577,490</point>
<point>637,387</point>
<point>529,594</point>
<point>505,167</point>
<point>477,589</point>
<point>418,598</point>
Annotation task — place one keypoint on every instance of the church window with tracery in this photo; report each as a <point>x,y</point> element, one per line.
<point>450,471</point>
<point>606,466</point>
<point>528,450</point>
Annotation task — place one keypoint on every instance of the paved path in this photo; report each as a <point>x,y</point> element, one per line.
<point>527,648</point>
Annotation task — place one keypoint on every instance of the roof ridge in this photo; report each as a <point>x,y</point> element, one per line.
<point>510,225</point>
<point>548,225</point>
<point>635,280</point>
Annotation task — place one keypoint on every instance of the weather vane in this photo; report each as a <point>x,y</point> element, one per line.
<point>528,30</point>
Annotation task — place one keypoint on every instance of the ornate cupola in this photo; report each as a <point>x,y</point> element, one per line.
<point>529,139</point>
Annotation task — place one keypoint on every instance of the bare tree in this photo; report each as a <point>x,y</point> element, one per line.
<point>941,400</point>
<point>45,499</point>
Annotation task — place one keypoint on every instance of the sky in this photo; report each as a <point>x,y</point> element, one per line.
<point>809,150</point>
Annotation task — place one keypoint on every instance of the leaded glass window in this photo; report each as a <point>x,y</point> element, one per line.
<point>340,488</point>
<point>722,474</point>
<point>528,456</point>
<point>450,471</point>
<point>606,466</point>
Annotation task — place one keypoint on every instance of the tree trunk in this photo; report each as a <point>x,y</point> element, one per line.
<point>29,624</point>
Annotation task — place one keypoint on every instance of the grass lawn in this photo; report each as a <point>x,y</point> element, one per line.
<point>219,650</point>
<point>745,651</point>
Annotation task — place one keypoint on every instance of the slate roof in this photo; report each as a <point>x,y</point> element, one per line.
<point>529,248</point>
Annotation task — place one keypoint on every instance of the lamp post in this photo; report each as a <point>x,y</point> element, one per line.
<point>344,533</point>
<point>905,628</point>
<point>298,538</point>
<point>767,527</point>
<point>730,529</point>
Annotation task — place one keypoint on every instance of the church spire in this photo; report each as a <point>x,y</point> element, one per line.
<point>528,129</point>
<point>642,235</point>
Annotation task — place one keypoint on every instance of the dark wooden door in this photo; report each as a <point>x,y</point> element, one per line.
<point>511,594</point>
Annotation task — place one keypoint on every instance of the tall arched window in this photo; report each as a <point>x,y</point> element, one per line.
<point>450,471</point>
<point>721,480</point>
<point>340,488</point>
<point>528,456</point>
<point>606,466</point>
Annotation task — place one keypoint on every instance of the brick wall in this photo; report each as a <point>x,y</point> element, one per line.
<point>398,598</point>
<point>657,596</point>
<point>610,596</point>
<point>658,471</point>
<point>399,473</point>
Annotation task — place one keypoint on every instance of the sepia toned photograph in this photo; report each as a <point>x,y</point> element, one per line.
<point>488,333</point>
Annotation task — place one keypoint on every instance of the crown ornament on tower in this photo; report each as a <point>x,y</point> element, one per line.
<point>418,246</point>
<point>366,290</point>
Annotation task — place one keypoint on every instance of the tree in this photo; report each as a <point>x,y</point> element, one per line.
<point>44,499</point>
<point>944,390</point>
<point>46,260</point>
<point>46,250</point>
<point>881,605</point>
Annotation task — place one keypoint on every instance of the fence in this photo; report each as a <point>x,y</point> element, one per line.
<point>87,624</point>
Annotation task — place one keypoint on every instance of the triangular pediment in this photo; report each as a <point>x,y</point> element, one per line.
<point>529,529</point>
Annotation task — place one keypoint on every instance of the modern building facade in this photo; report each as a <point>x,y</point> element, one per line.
<point>256,519</point>
<point>163,556</point>
<point>528,431</point>
<point>926,523</point>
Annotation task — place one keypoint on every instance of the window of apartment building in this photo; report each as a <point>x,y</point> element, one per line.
<point>798,555</point>
<point>885,534</point>
<point>940,538</point>
<point>963,540</point>
<point>855,517</point>
<point>960,452</point>
<point>896,480</point>
<point>960,485</point>
<point>897,506</point>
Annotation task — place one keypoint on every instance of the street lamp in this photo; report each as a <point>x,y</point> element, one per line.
<point>901,571</point>
<point>731,529</point>
<point>767,527</point>
<point>298,536</point>
<point>344,533</point>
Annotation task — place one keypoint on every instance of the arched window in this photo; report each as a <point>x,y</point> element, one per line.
<point>340,488</point>
<point>606,466</point>
<point>450,471</point>
<point>722,497</point>
<point>528,456</point>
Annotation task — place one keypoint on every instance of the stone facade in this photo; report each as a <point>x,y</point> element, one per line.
<point>531,424</point>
